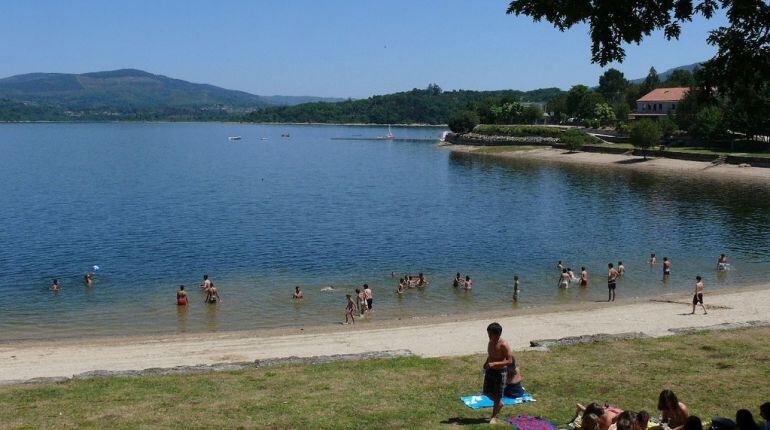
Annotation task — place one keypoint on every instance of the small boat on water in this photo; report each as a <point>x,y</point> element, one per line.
<point>231,138</point>
<point>388,136</point>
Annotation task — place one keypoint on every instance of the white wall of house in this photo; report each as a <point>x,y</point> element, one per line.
<point>662,108</point>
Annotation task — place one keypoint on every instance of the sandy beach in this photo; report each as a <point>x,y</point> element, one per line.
<point>429,338</point>
<point>620,161</point>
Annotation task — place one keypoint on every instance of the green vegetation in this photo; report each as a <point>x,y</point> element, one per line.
<point>713,373</point>
<point>424,106</point>
<point>645,134</point>
<point>519,130</point>
<point>463,122</point>
<point>740,70</point>
<point>576,139</point>
<point>123,95</point>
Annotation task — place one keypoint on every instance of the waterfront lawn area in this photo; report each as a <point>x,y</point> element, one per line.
<point>713,373</point>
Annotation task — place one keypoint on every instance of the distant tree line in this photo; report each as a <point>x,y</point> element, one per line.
<point>431,105</point>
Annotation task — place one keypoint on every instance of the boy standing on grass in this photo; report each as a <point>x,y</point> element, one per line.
<point>698,296</point>
<point>499,357</point>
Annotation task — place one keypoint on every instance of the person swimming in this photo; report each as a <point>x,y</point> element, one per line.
<point>88,279</point>
<point>54,285</point>
<point>181,296</point>
<point>559,265</point>
<point>653,259</point>
<point>328,289</point>
<point>722,263</point>
<point>516,288</point>
<point>421,281</point>
<point>666,267</point>
<point>212,294</point>
<point>206,284</point>
<point>298,294</point>
<point>572,277</point>
<point>468,285</point>
<point>400,288</point>
<point>458,281</point>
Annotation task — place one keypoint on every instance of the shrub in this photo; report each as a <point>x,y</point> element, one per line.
<point>518,130</point>
<point>463,122</point>
<point>604,114</point>
<point>667,126</point>
<point>645,134</point>
<point>575,139</point>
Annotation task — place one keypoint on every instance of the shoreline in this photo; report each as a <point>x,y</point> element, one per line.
<point>703,169</point>
<point>428,337</point>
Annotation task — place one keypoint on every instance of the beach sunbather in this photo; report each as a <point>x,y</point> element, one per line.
<point>595,417</point>
<point>673,412</point>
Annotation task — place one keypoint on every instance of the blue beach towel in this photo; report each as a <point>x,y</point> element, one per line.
<point>482,401</point>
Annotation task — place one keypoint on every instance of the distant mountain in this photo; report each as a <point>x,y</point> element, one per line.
<point>128,94</point>
<point>298,100</point>
<point>423,106</point>
<point>663,76</point>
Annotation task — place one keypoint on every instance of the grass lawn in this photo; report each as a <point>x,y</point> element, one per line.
<point>713,373</point>
<point>697,150</point>
<point>506,148</point>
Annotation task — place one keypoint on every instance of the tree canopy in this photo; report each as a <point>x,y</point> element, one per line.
<point>740,70</point>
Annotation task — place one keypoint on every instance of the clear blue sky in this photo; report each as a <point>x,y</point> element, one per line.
<point>337,48</point>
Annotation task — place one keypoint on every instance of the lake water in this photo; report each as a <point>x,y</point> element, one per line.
<point>159,205</point>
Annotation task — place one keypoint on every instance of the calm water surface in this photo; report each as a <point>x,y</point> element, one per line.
<point>158,205</point>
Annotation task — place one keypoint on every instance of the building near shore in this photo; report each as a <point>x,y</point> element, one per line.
<point>659,102</point>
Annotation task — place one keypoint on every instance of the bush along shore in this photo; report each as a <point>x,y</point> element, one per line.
<point>575,139</point>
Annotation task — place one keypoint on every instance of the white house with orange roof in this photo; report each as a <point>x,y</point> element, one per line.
<point>659,102</point>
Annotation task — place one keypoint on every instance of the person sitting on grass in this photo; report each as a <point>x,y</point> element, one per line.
<point>745,420</point>
<point>672,411</point>
<point>513,388</point>
<point>764,412</point>
<point>693,423</point>
<point>627,421</point>
<point>597,417</point>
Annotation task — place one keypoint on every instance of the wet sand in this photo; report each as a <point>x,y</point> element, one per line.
<point>620,161</point>
<point>429,337</point>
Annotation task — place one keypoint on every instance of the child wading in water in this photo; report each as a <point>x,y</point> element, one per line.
<point>349,309</point>
<point>516,288</point>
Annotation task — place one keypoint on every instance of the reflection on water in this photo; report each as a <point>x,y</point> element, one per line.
<point>181,312</point>
<point>158,205</point>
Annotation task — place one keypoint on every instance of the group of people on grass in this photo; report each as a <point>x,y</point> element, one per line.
<point>674,415</point>
<point>502,378</point>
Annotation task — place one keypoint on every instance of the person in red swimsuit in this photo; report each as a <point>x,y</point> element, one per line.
<point>181,296</point>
